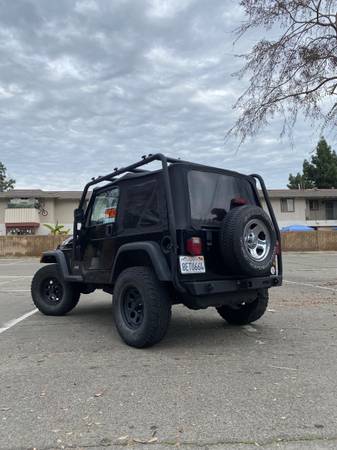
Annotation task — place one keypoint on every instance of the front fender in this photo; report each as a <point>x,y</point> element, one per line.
<point>58,257</point>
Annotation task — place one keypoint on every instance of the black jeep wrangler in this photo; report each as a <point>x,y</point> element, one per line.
<point>186,233</point>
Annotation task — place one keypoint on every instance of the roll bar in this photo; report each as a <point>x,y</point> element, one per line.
<point>273,218</point>
<point>134,168</point>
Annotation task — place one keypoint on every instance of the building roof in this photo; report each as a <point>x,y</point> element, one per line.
<point>76,195</point>
<point>302,193</point>
<point>39,193</point>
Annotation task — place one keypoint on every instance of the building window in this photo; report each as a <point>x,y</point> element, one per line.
<point>287,205</point>
<point>313,205</point>
<point>22,203</point>
<point>20,230</point>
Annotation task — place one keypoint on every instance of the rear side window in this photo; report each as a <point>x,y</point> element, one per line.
<point>142,208</point>
<point>212,194</point>
<point>104,209</point>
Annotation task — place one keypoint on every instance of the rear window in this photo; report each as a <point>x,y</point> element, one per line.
<point>212,194</point>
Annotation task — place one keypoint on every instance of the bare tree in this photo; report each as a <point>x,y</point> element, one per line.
<point>295,73</point>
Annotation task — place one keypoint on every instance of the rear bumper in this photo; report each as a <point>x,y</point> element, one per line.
<point>214,287</point>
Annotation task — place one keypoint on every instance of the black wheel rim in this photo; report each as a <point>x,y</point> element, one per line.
<point>132,307</point>
<point>52,291</point>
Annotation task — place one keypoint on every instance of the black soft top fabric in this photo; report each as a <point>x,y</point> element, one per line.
<point>180,191</point>
<point>180,194</point>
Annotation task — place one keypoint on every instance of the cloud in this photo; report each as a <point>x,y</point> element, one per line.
<point>89,85</point>
<point>167,9</point>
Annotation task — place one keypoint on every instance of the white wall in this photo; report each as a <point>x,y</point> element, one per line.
<point>64,210</point>
<point>3,205</point>
<point>289,218</point>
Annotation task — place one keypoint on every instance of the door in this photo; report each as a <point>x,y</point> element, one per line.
<point>329,210</point>
<point>100,232</point>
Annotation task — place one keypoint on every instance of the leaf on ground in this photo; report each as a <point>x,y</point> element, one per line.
<point>99,394</point>
<point>123,438</point>
<point>145,441</point>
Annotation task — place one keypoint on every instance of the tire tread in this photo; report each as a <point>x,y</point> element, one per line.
<point>158,307</point>
<point>248,313</point>
<point>71,294</point>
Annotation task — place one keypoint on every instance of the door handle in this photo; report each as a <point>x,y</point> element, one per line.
<point>109,230</point>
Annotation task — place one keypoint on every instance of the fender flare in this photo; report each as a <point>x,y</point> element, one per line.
<point>58,257</point>
<point>154,252</point>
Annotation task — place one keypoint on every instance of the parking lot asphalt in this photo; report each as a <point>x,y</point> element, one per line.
<point>69,382</point>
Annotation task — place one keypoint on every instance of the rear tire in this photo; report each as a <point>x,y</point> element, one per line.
<point>141,307</point>
<point>247,313</point>
<point>51,294</point>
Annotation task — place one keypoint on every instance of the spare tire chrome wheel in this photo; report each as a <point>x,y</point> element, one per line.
<point>257,239</point>
<point>247,241</point>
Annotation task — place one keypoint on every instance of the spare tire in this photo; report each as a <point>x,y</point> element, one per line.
<point>247,241</point>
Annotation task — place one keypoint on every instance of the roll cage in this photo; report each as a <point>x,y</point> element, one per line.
<point>136,168</point>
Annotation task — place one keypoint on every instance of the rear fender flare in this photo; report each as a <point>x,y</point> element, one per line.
<point>154,253</point>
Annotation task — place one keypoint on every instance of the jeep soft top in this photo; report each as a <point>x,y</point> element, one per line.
<point>185,233</point>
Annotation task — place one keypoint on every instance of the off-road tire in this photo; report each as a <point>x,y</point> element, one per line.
<point>235,256</point>
<point>156,307</point>
<point>69,293</point>
<point>247,313</point>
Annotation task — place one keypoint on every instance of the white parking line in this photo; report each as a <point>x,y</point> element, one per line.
<point>14,290</point>
<point>5,260</point>
<point>311,285</point>
<point>12,279</point>
<point>11,263</point>
<point>13,322</point>
<point>16,276</point>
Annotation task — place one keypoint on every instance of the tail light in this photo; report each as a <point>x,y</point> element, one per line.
<point>277,248</point>
<point>194,246</point>
<point>238,201</point>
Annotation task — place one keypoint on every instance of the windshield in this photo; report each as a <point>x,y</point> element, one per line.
<point>212,195</point>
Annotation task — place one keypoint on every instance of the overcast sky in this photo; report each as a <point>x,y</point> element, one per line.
<point>86,86</point>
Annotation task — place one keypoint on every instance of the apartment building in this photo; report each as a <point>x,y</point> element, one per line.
<point>24,212</point>
<point>312,207</point>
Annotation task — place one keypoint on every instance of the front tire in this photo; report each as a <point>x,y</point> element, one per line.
<point>141,307</point>
<point>248,313</point>
<point>51,294</point>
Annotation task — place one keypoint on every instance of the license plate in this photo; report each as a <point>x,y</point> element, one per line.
<point>192,264</point>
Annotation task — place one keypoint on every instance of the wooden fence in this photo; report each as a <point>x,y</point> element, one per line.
<point>306,241</point>
<point>28,245</point>
<point>296,241</point>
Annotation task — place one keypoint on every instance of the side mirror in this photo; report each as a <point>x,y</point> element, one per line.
<point>78,218</point>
